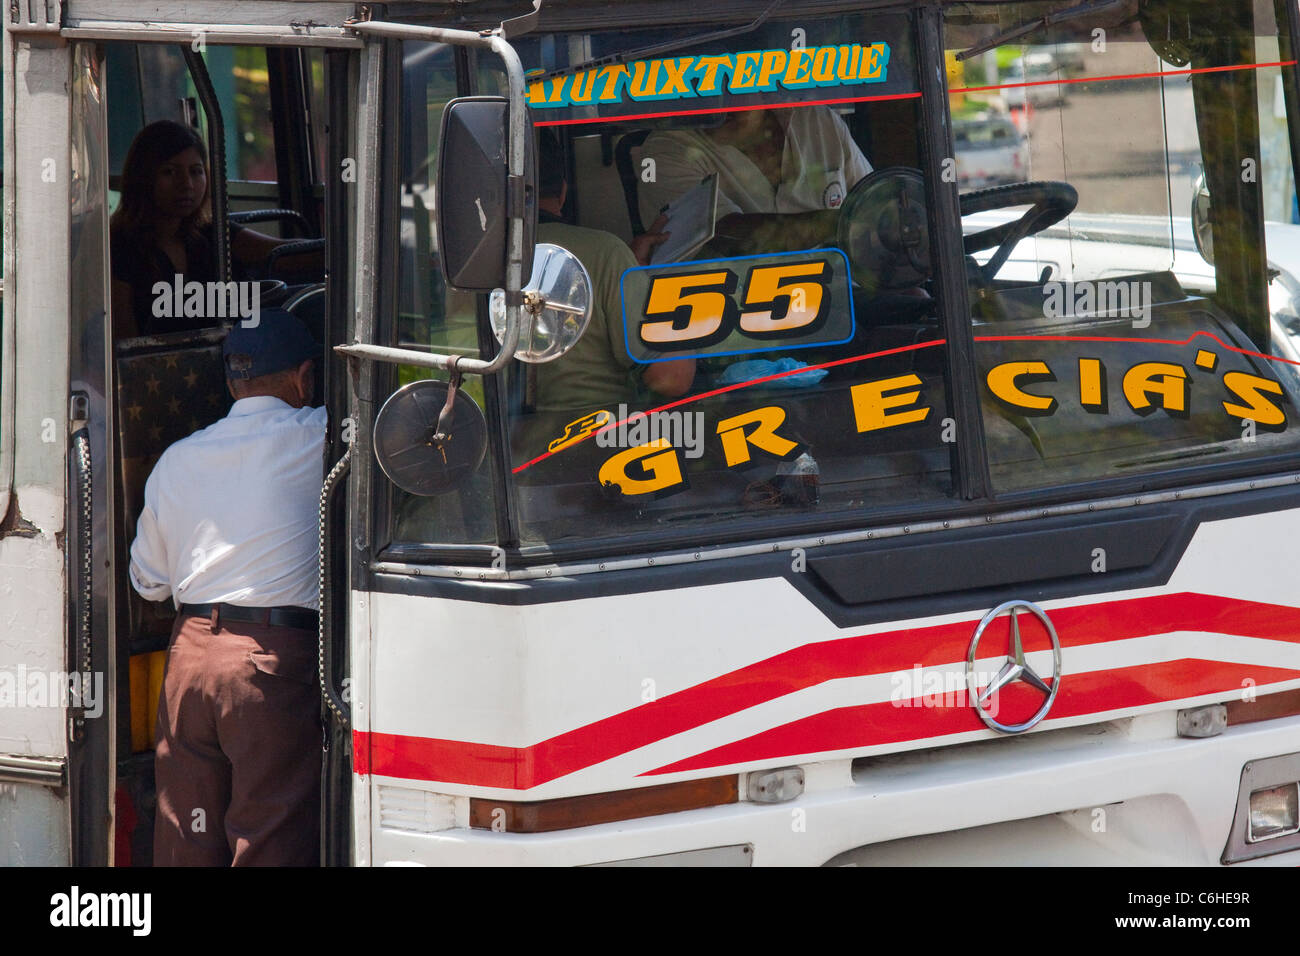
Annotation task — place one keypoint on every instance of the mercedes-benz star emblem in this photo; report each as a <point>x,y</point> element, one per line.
<point>1015,669</point>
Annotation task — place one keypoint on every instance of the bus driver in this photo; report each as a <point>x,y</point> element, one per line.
<point>782,174</point>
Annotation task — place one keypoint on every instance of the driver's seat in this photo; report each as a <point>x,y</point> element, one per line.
<point>623,159</point>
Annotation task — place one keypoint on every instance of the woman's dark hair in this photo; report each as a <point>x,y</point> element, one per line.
<point>153,146</point>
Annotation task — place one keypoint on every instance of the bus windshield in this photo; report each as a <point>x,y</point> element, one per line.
<point>782,353</point>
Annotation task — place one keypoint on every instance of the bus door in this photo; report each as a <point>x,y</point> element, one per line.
<point>263,107</point>
<point>270,159</point>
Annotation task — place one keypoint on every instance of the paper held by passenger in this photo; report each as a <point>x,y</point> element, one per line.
<point>690,222</point>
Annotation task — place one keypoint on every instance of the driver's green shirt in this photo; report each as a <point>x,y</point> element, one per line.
<point>597,373</point>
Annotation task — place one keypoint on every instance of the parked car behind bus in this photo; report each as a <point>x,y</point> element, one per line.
<point>990,152</point>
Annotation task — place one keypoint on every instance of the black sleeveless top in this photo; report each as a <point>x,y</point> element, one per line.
<point>142,265</point>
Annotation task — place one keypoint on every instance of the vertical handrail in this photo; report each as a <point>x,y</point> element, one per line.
<point>216,158</point>
<point>85,569</point>
<point>324,584</point>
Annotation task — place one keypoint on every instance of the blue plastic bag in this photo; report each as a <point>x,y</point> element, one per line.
<point>752,369</point>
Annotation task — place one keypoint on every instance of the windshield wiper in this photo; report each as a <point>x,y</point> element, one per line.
<point>1083,9</point>
<point>666,47</point>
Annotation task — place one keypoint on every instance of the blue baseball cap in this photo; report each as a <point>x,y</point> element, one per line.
<point>277,342</point>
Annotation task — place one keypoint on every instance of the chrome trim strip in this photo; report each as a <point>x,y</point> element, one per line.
<point>473,573</point>
<point>287,23</point>
<point>294,34</point>
<point>47,771</point>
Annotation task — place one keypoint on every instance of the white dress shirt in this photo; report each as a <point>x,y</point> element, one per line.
<point>819,165</point>
<point>231,513</point>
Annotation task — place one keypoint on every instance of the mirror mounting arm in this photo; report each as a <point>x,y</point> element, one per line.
<point>496,42</point>
<point>450,363</point>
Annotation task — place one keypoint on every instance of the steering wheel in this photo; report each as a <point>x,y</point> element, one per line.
<point>882,225</point>
<point>1050,203</point>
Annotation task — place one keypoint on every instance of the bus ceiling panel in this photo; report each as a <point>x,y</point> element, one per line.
<point>214,21</point>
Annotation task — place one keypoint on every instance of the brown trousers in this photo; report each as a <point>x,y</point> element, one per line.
<point>238,756</point>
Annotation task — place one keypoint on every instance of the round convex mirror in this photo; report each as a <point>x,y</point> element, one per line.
<point>557,306</point>
<point>411,451</point>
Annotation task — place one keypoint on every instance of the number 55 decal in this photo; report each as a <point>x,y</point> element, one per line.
<point>730,306</point>
<point>795,297</point>
<point>689,310</point>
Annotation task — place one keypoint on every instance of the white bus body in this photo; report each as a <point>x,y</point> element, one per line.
<point>566,659</point>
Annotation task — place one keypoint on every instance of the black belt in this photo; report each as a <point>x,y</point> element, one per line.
<point>275,616</point>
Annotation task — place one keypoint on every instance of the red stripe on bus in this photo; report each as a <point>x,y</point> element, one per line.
<point>1139,341</point>
<point>908,348</point>
<point>1121,76</point>
<point>584,120</point>
<point>360,752</point>
<point>519,768</point>
<point>887,722</point>
<point>451,761</point>
<point>749,383</point>
<point>725,109</point>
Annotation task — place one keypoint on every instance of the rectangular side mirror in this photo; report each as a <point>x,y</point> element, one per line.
<point>474,194</point>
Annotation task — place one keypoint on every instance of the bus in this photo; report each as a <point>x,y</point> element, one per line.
<point>965,538</point>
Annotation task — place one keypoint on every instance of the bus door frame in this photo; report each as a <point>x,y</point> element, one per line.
<point>57,360</point>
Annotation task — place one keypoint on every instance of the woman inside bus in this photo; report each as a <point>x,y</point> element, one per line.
<point>163,228</point>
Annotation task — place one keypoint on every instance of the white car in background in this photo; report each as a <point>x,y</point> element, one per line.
<point>1034,79</point>
<point>990,151</point>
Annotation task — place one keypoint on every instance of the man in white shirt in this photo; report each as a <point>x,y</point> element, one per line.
<point>782,174</point>
<point>229,532</point>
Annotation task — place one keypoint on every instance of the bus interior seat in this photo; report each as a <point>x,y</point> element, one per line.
<point>291,216</point>
<point>421,294</point>
<point>308,304</point>
<point>885,131</point>
<point>627,175</point>
<point>277,268</point>
<point>167,388</point>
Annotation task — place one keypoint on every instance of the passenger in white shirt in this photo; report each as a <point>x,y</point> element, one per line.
<point>782,174</point>
<point>231,513</point>
<point>229,533</point>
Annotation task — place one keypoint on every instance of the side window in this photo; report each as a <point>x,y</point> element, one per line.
<point>1121,326</point>
<point>780,353</point>
<point>427,315</point>
<point>150,82</point>
<point>250,145</point>
<point>316,95</point>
